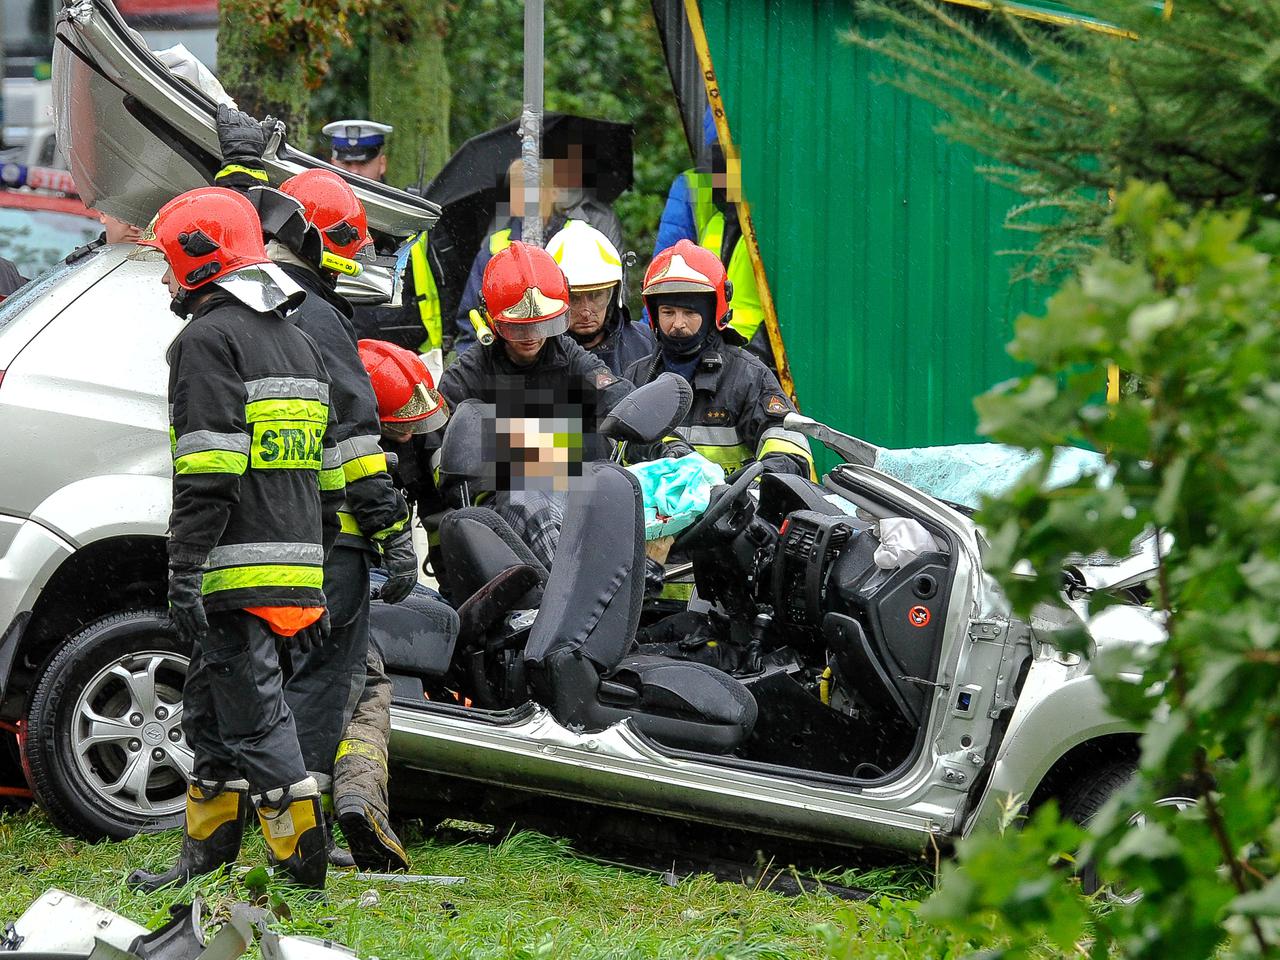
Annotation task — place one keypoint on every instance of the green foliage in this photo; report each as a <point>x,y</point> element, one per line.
<point>1190,314</point>
<point>602,60</point>
<point>1071,114</point>
<point>271,53</point>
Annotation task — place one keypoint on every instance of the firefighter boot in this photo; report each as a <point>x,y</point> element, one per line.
<point>293,826</point>
<point>214,827</point>
<point>360,801</point>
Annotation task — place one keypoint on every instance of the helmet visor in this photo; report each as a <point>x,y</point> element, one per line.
<point>528,330</point>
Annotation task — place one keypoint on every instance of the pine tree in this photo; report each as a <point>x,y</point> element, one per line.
<point>1187,94</point>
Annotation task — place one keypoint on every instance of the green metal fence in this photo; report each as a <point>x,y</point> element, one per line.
<point>883,243</point>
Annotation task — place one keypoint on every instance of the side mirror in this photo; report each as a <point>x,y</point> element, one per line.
<point>650,412</point>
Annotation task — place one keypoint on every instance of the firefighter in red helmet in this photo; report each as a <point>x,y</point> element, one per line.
<point>738,406</point>
<point>535,375</point>
<point>412,414</point>
<point>256,485</point>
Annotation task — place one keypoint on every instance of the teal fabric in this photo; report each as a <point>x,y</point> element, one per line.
<point>676,492</point>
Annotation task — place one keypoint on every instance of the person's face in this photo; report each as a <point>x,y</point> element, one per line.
<point>523,352</point>
<point>545,195</point>
<point>118,231</point>
<point>678,322</point>
<point>375,169</point>
<point>397,432</point>
<point>588,309</point>
<point>171,282</point>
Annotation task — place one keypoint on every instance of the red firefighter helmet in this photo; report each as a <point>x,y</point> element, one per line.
<point>406,394</point>
<point>206,234</point>
<point>688,268</point>
<point>333,208</point>
<point>525,293</point>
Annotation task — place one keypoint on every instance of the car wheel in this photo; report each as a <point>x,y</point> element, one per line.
<point>1086,797</point>
<point>104,729</point>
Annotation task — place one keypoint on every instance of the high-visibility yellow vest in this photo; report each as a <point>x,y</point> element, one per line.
<point>708,220</point>
<point>425,292</point>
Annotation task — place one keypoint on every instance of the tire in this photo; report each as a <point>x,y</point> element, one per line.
<point>104,738</point>
<point>1081,803</point>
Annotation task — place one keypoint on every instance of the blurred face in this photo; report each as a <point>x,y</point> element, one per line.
<point>588,309</point>
<point>543,196</point>
<point>375,169</point>
<point>118,231</point>
<point>678,322</point>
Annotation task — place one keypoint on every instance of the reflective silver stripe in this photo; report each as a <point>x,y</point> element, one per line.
<point>332,458</point>
<point>199,440</point>
<point>711,436</point>
<point>354,447</point>
<point>301,388</point>
<point>781,433</point>
<point>238,554</point>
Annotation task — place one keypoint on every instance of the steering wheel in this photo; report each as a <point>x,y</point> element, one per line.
<point>723,519</point>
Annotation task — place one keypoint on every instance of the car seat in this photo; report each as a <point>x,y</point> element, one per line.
<point>576,658</point>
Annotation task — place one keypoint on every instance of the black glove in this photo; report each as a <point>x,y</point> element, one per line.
<point>674,449</point>
<point>401,564</point>
<point>241,138</point>
<point>653,577</point>
<point>313,636</point>
<point>186,602</point>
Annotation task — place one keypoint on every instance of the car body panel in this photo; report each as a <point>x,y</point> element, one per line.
<point>135,136</point>
<point>109,388</point>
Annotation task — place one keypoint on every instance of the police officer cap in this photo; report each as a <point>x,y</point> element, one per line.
<point>356,139</point>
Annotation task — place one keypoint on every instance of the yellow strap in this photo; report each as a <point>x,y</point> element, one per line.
<point>231,168</point>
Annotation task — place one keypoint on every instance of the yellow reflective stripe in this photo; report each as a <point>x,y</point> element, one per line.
<point>499,241</point>
<point>211,461</point>
<point>231,168</point>
<point>730,458</point>
<point>360,748</point>
<point>287,445</point>
<point>774,445</point>
<point>366,466</point>
<point>290,408</point>
<point>428,297</point>
<point>347,524</point>
<point>332,479</point>
<point>264,575</point>
<point>393,529</point>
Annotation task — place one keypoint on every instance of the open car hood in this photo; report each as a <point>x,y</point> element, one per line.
<point>135,135</point>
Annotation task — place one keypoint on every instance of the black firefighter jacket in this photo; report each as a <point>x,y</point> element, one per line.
<point>374,509</point>
<point>737,411</point>
<point>565,380</point>
<point>256,482</point>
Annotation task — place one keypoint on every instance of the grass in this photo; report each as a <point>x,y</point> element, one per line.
<point>526,896</point>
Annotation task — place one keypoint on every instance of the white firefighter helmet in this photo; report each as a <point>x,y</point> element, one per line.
<point>587,257</point>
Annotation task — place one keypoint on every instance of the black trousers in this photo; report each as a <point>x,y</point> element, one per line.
<point>234,713</point>
<point>327,682</point>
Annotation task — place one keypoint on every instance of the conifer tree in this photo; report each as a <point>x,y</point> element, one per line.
<point>1186,94</point>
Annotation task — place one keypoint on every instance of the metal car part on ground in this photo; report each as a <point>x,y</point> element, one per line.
<point>59,924</point>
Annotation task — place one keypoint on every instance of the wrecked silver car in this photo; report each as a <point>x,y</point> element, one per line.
<point>891,702</point>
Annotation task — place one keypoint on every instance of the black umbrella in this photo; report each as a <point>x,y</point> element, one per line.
<point>473,182</point>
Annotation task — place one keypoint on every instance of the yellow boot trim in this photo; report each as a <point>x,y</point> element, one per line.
<point>360,748</point>
<point>283,829</point>
<point>206,815</point>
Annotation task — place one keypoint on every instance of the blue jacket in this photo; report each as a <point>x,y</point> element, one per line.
<point>626,342</point>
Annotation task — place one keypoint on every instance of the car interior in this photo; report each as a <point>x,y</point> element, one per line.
<point>804,656</point>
